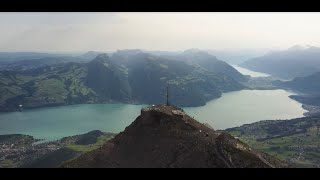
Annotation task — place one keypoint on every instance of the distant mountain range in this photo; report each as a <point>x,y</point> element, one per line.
<point>308,88</point>
<point>307,85</point>
<point>127,76</point>
<point>296,61</point>
<point>209,62</point>
<point>18,56</point>
<point>19,61</point>
<point>237,56</point>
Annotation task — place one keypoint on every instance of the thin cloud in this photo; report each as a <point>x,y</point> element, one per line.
<point>155,31</point>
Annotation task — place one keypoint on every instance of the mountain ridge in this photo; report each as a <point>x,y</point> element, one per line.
<point>164,136</point>
<point>287,64</point>
<point>120,78</point>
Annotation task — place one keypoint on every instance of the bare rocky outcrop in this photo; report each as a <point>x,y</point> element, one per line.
<point>165,137</point>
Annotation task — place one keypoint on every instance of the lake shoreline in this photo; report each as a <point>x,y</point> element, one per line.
<point>18,150</point>
<point>55,122</point>
<point>111,102</point>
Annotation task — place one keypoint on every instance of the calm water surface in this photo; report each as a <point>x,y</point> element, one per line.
<point>245,71</point>
<point>247,106</point>
<point>232,109</point>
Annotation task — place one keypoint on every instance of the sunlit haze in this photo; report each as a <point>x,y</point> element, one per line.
<point>156,31</point>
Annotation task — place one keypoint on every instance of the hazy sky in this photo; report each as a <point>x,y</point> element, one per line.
<point>156,31</point>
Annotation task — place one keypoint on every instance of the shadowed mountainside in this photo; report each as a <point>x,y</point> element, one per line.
<point>297,61</point>
<point>164,136</point>
<point>128,76</point>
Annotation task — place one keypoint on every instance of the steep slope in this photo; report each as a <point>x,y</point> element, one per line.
<point>208,62</point>
<point>307,88</point>
<point>189,85</point>
<point>163,136</point>
<point>294,62</point>
<point>90,55</point>
<point>107,79</point>
<point>308,84</point>
<point>129,76</point>
<point>213,64</point>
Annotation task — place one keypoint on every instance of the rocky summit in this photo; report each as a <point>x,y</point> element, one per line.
<point>166,137</point>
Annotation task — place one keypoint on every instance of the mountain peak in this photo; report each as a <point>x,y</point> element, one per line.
<point>129,51</point>
<point>101,59</point>
<point>90,55</point>
<point>296,47</point>
<point>175,118</point>
<point>102,56</point>
<point>195,51</point>
<point>165,136</point>
<point>300,47</point>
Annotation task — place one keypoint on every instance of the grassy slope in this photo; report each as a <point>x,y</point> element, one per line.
<point>67,151</point>
<point>297,141</point>
<point>96,82</point>
<point>46,86</point>
<point>85,148</point>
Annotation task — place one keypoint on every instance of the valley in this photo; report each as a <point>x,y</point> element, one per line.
<point>296,61</point>
<point>247,106</point>
<point>159,89</point>
<point>105,90</point>
<point>25,151</point>
<point>294,141</point>
<point>109,90</point>
<point>297,141</point>
<point>119,79</point>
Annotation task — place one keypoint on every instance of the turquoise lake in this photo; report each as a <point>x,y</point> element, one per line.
<point>249,72</point>
<point>232,109</point>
